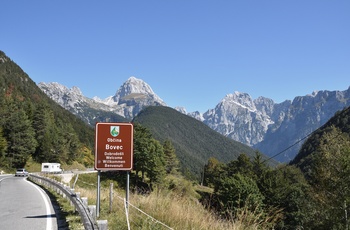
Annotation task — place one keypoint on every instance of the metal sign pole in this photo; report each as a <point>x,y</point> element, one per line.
<point>98,193</point>
<point>127,190</point>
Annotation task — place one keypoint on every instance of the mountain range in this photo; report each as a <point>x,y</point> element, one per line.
<point>50,133</point>
<point>275,129</point>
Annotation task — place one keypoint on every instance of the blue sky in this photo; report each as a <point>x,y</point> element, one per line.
<point>192,53</point>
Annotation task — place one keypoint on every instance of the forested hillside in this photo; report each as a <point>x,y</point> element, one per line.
<point>325,161</point>
<point>194,141</point>
<point>32,125</point>
<point>335,128</point>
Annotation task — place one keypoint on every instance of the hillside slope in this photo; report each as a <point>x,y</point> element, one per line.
<point>34,125</point>
<point>338,125</point>
<point>325,159</point>
<point>194,141</point>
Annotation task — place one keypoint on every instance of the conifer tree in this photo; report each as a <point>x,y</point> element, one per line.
<point>142,138</point>
<point>148,155</point>
<point>20,136</point>
<point>155,168</point>
<point>238,191</point>
<point>171,161</point>
<point>242,165</point>
<point>43,124</point>
<point>3,147</point>
<point>212,171</point>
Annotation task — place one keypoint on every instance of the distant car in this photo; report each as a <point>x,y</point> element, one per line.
<point>21,172</point>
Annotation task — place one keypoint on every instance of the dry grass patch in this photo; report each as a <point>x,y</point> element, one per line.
<point>160,209</point>
<point>177,208</point>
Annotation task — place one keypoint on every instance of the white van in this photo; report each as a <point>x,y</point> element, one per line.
<point>51,168</point>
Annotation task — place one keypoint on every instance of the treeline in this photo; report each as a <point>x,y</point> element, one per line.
<point>32,125</point>
<point>312,192</point>
<point>325,161</point>
<point>277,197</point>
<point>36,133</point>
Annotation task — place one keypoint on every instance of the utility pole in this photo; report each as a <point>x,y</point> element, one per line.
<point>346,215</point>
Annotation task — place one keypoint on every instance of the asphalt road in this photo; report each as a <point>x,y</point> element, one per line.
<point>24,205</point>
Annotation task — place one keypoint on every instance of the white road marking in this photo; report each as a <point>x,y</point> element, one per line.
<point>47,205</point>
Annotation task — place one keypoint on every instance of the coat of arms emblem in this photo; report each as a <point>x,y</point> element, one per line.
<point>114,130</point>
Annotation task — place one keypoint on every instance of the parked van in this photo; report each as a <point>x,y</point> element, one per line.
<point>51,168</point>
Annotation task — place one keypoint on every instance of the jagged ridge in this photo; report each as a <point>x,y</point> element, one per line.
<point>261,123</point>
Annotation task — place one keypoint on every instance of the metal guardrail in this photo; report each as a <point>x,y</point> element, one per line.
<point>86,217</point>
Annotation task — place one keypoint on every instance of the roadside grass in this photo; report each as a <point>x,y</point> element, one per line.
<point>32,166</point>
<point>173,205</point>
<point>177,208</point>
<point>73,166</point>
<point>72,217</point>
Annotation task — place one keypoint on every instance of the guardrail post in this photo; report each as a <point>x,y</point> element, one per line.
<point>102,224</point>
<point>110,197</point>
<point>92,210</point>
<point>85,201</point>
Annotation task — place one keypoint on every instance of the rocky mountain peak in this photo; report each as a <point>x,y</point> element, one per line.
<point>135,88</point>
<point>61,93</point>
<point>240,99</point>
<point>265,105</point>
<point>237,117</point>
<point>131,97</point>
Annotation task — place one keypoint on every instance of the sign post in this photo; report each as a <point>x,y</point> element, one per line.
<point>98,193</point>
<point>113,149</point>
